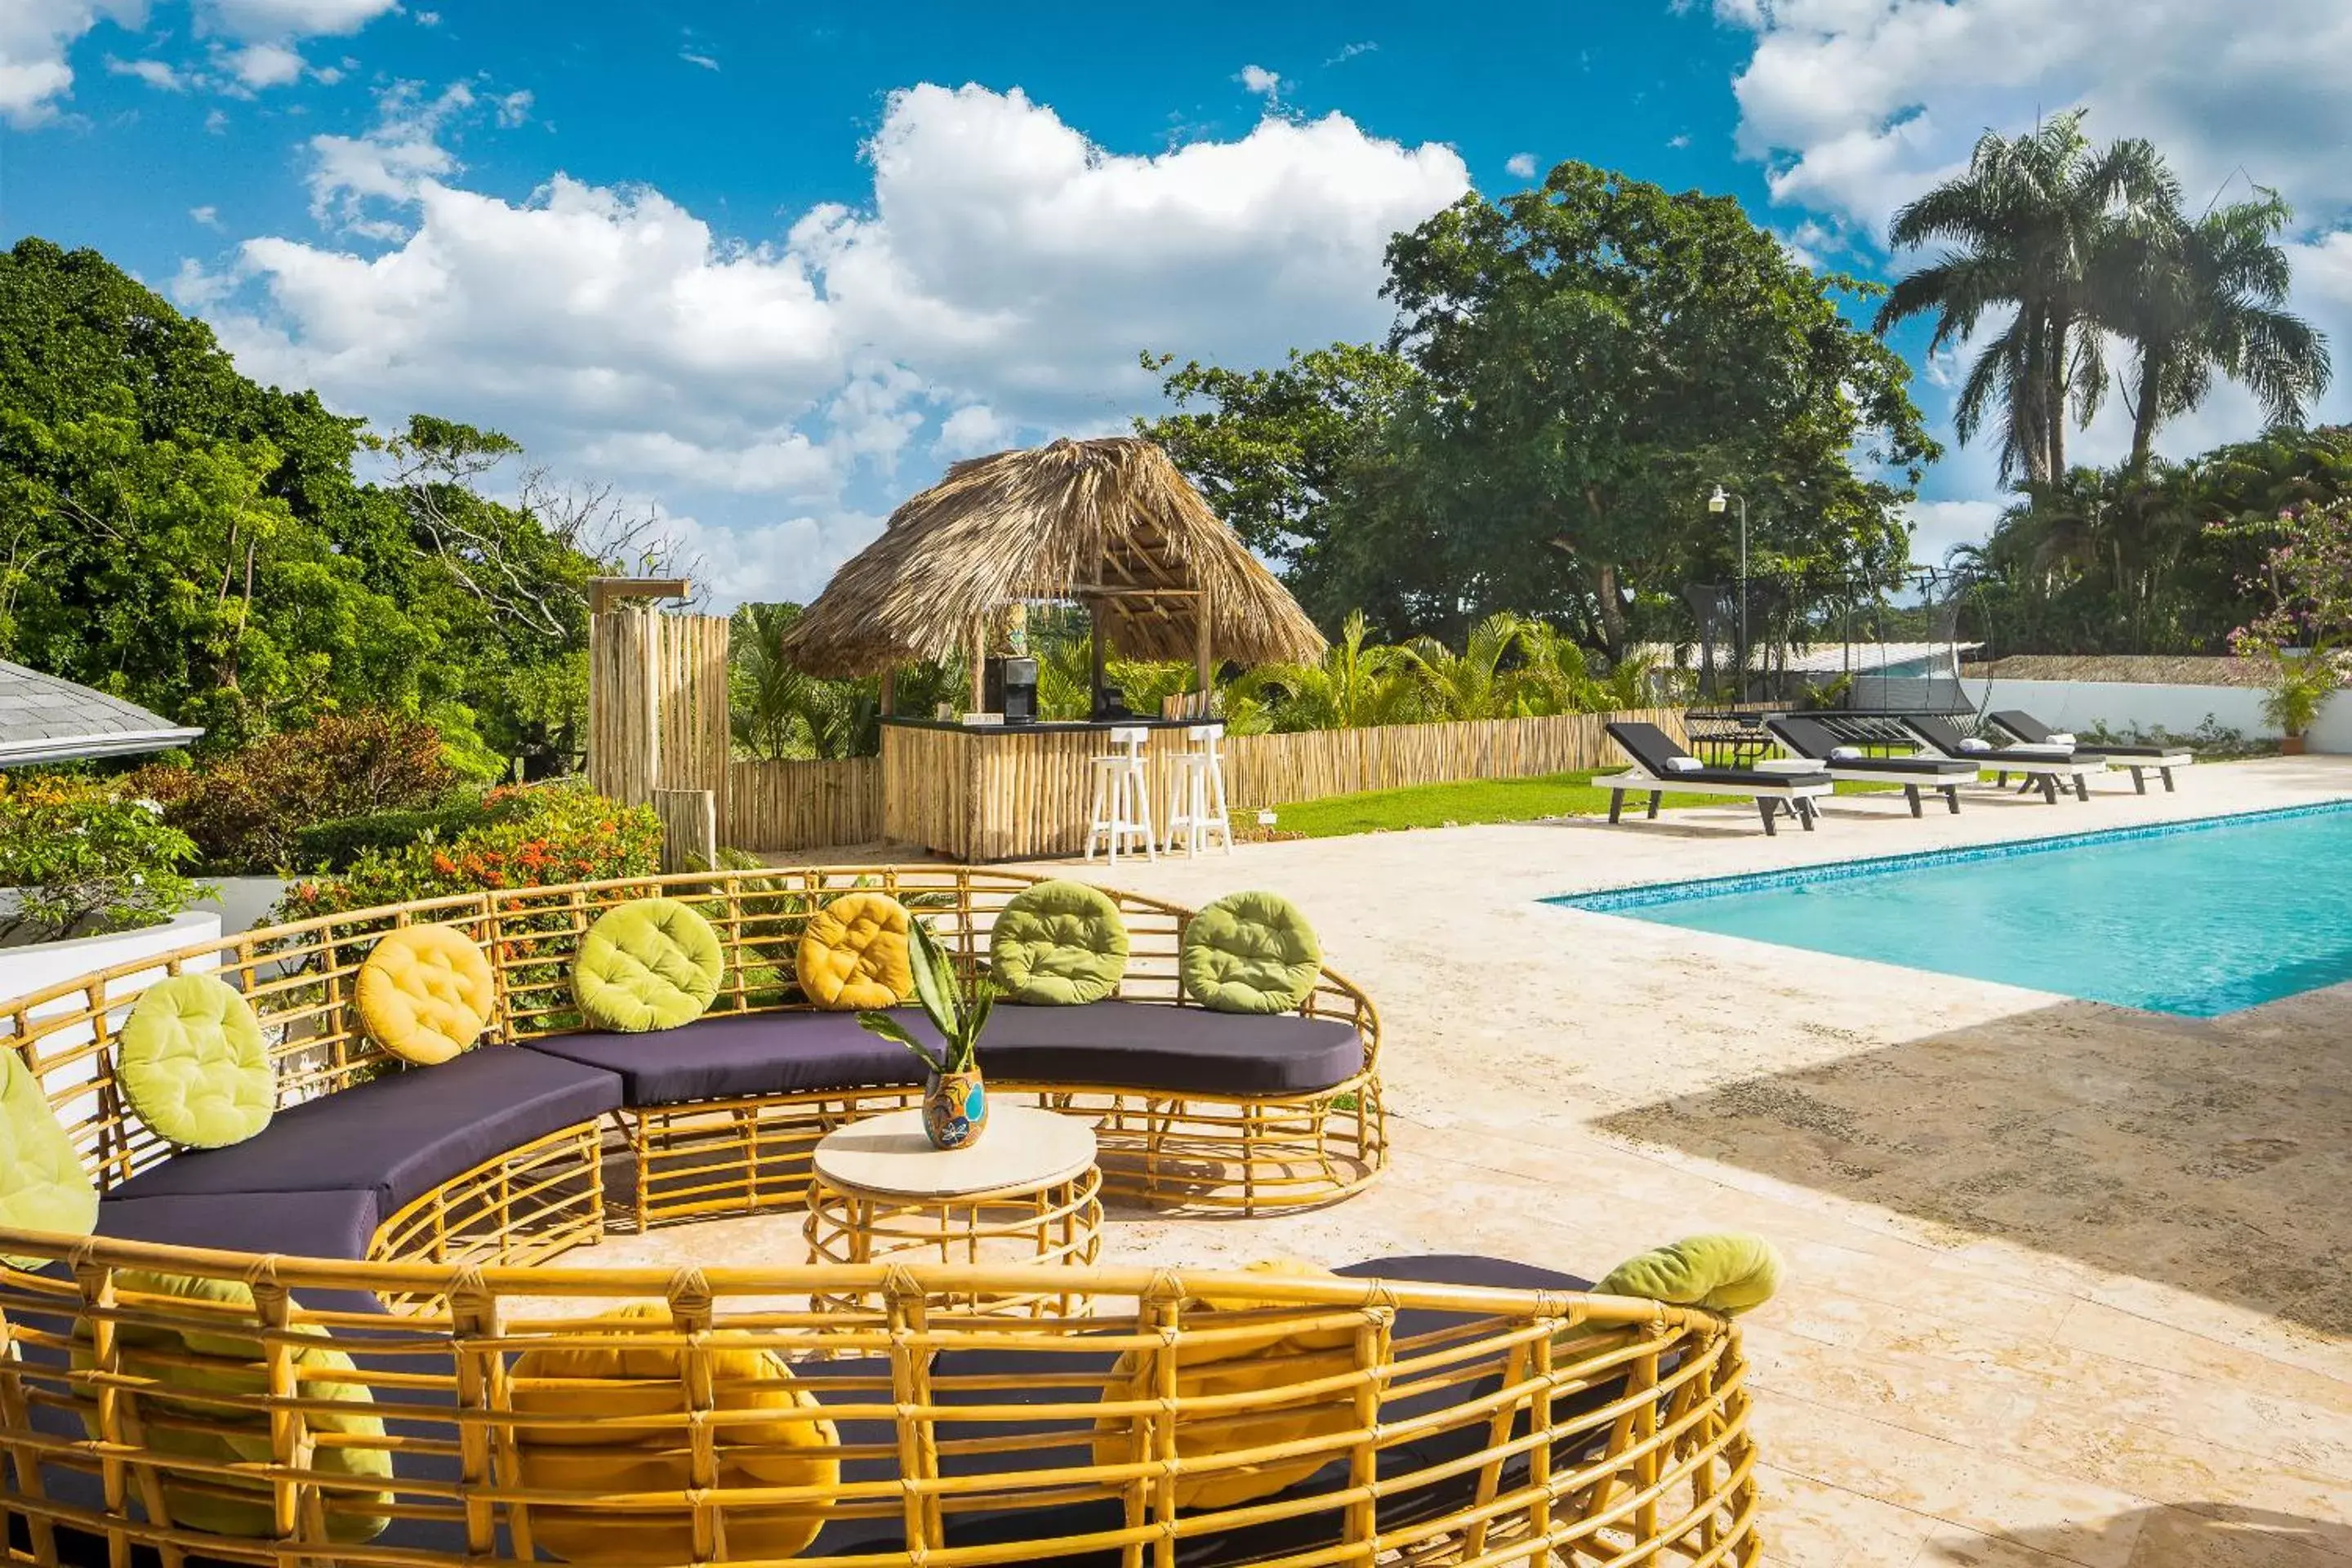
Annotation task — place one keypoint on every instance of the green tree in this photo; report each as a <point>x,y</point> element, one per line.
<point>1598,352</point>
<point>1357,684</point>
<point>2026,225</point>
<point>1473,683</point>
<point>2197,297</point>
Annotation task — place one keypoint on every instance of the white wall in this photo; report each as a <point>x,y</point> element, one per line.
<point>2079,705</point>
<point>39,965</point>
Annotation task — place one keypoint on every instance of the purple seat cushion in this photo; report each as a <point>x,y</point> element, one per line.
<point>725,1056</point>
<point>338,1225</point>
<point>1180,1050</point>
<point>398,1136</point>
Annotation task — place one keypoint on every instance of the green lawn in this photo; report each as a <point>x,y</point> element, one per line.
<point>1478,800</point>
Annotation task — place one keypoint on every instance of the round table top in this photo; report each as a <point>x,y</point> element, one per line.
<point>1023,1149</point>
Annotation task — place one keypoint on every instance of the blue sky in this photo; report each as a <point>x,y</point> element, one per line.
<point>767,269</point>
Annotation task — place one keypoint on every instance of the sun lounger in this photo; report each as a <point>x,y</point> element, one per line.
<point>2046,768</point>
<point>1813,740</point>
<point>2022,726</point>
<point>1660,767</point>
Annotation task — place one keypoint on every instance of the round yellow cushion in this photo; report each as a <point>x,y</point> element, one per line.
<point>1279,1358</point>
<point>192,1061</point>
<point>1728,1272</point>
<point>651,963</point>
<point>853,953</point>
<point>426,993</point>
<point>607,1385</point>
<point>187,1364</point>
<point>42,1183</point>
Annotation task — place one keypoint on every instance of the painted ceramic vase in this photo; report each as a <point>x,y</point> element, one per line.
<point>955,1109</point>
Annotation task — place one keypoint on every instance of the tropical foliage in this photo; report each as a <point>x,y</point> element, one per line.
<point>175,534</point>
<point>1570,369</point>
<point>87,858</point>
<point>2079,246</point>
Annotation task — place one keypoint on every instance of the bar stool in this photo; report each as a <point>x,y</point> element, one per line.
<point>1121,813</point>
<point>1196,807</point>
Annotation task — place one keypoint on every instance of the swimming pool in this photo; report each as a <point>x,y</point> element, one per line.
<point>2197,918</point>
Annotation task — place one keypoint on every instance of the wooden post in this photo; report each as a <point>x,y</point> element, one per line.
<point>979,665</point>
<point>690,819</point>
<point>890,691</point>
<point>1094,631</point>
<point>1201,665</point>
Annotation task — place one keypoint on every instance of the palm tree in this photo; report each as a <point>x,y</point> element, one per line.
<point>2198,297</point>
<point>1470,684</point>
<point>776,710</point>
<point>1356,685</point>
<point>2026,222</point>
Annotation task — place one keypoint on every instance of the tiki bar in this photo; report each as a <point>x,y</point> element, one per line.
<point>1109,524</point>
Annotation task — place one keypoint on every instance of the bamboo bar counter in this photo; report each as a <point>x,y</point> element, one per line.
<point>977,793</point>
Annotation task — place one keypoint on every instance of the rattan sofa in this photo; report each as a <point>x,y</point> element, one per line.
<point>1427,1409</point>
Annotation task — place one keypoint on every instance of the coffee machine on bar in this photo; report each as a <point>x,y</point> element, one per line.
<point>1008,686</point>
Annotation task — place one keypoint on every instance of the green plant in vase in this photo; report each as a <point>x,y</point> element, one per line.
<point>2300,685</point>
<point>955,1102</point>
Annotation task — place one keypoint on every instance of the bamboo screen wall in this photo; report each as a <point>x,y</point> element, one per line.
<point>657,705</point>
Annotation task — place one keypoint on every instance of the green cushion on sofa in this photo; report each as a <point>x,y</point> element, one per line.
<point>1723,1273</point>
<point>1058,943</point>
<point>650,964</point>
<point>1250,952</point>
<point>186,1363</point>
<point>42,1184</point>
<point>192,1061</point>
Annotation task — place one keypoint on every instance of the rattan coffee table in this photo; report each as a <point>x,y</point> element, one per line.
<point>1028,1191</point>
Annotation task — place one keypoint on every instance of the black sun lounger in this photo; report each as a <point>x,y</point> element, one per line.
<point>2046,768</point>
<point>2023,727</point>
<point>1812,740</point>
<point>1662,767</point>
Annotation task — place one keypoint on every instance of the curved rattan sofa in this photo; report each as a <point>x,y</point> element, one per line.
<point>504,1153</point>
<point>1428,1409</point>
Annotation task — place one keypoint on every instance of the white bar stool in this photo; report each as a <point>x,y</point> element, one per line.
<point>1196,811</point>
<point>1121,814</point>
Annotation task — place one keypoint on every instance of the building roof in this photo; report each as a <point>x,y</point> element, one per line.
<point>44,718</point>
<point>1864,657</point>
<point>1110,522</point>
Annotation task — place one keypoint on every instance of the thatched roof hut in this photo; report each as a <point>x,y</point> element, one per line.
<point>1109,522</point>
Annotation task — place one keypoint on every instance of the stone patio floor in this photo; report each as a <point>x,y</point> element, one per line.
<point>2068,1283</point>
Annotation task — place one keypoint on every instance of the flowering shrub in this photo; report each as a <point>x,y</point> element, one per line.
<point>2307,579</point>
<point>245,810</point>
<point>530,834</point>
<point>86,861</point>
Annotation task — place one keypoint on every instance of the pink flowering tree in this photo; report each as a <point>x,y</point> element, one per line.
<point>2307,579</point>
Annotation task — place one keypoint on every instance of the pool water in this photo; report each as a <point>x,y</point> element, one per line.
<point>2199,918</point>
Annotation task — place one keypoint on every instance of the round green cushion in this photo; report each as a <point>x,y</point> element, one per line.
<point>1723,1273</point>
<point>1250,952</point>
<point>1057,945</point>
<point>184,1364</point>
<point>42,1184</point>
<point>650,964</point>
<point>193,1064</point>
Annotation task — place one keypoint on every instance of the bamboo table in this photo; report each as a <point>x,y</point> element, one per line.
<point>1029,1190</point>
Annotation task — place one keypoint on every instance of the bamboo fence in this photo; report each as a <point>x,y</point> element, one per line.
<point>1311,764</point>
<point>657,705</point>
<point>803,804</point>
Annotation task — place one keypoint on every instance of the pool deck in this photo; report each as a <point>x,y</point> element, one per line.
<point>2068,1283</point>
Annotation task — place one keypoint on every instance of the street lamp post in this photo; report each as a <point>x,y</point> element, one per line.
<point>1716,503</point>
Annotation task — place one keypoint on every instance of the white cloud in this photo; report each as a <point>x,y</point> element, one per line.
<point>971,430</point>
<point>692,58</point>
<point>156,74</point>
<point>1679,140</point>
<point>35,37</point>
<point>997,289</point>
<point>1259,80</point>
<point>260,66</point>
<point>1937,525</point>
<point>208,217</point>
<point>285,20</point>
<point>1520,165</point>
<point>1349,51</point>
<point>1860,103</point>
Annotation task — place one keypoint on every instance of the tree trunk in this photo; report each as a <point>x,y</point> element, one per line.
<point>2054,404</point>
<point>2146,417</point>
<point>1612,612</point>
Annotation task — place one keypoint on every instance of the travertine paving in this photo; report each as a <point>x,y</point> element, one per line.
<point>2068,1283</point>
